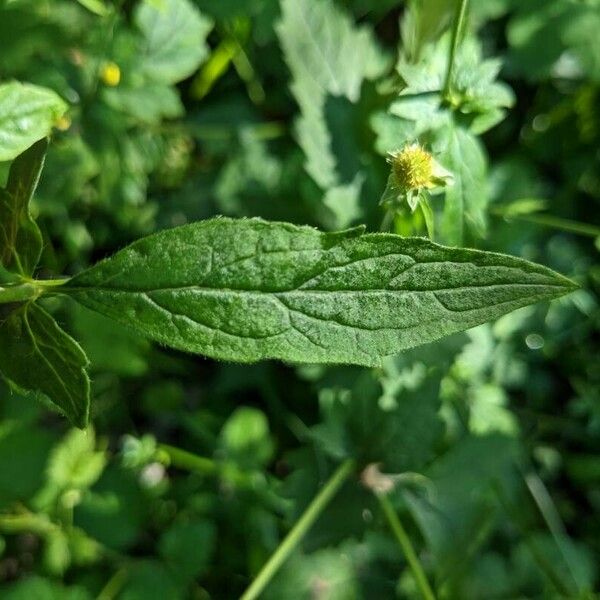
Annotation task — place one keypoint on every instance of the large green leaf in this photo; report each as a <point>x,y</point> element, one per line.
<point>20,237</point>
<point>27,114</point>
<point>175,38</point>
<point>37,355</point>
<point>246,290</point>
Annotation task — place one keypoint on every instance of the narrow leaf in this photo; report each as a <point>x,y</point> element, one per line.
<point>466,200</point>
<point>246,290</point>
<point>27,114</point>
<point>20,237</point>
<point>37,355</point>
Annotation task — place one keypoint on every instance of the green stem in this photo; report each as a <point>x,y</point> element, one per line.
<point>406,546</point>
<point>252,481</point>
<point>114,586</point>
<point>459,20</point>
<point>300,529</point>
<point>27,290</point>
<point>26,522</point>
<point>188,461</point>
<point>555,223</point>
<point>22,292</point>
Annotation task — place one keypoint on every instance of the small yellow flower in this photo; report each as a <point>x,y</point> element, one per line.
<point>63,123</point>
<point>413,172</point>
<point>110,74</point>
<point>412,167</point>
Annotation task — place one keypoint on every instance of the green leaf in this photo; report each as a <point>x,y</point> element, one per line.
<point>327,54</point>
<point>95,6</point>
<point>74,462</point>
<point>459,500</point>
<point>43,589</point>
<point>246,290</point>
<point>466,200</point>
<point>27,114</point>
<point>246,439</point>
<point>20,237</point>
<point>187,547</point>
<point>150,579</point>
<point>175,38</point>
<point>37,355</point>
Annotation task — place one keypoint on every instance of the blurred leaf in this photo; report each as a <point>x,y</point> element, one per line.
<point>343,202</point>
<point>57,556</point>
<point>253,172</point>
<point>115,512</point>
<point>326,574</point>
<point>555,39</point>
<point>109,346</point>
<point>150,580</point>
<point>27,114</point>
<point>248,289</point>
<point>466,199</point>
<point>36,354</point>
<point>96,6</point>
<point>573,564</point>
<point>74,462</point>
<point>175,33</point>
<point>20,237</point>
<point>423,22</point>
<point>149,103</point>
<point>23,455</point>
<point>327,54</point>
<point>246,439</point>
<point>37,588</point>
<point>461,498</point>
<point>187,547</point>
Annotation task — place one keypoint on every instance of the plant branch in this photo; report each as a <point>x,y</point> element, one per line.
<point>457,28</point>
<point>406,546</point>
<point>300,529</point>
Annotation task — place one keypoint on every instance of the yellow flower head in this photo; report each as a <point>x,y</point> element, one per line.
<point>110,74</point>
<point>63,123</point>
<point>412,167</point>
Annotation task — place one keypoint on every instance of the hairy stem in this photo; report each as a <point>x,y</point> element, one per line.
<point>457,28</point>
<point>406,546</point>
<point>300,529</point>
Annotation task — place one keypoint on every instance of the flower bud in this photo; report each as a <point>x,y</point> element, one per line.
<point>110,74</point>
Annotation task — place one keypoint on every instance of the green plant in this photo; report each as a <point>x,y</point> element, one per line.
<point>249,290</point>
<point>416,436</point>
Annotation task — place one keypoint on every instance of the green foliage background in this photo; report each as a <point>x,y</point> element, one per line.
<point>182,109</point>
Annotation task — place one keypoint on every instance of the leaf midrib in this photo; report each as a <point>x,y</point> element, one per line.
<point>298,291</point>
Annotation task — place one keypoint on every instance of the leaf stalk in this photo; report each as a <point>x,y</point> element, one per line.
<point>406,547</point>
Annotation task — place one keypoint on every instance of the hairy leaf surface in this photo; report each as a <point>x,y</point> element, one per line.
<point>37,355</point>
<point>246,290</point>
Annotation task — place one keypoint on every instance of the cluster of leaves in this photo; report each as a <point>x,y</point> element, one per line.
<point>167,111</point>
